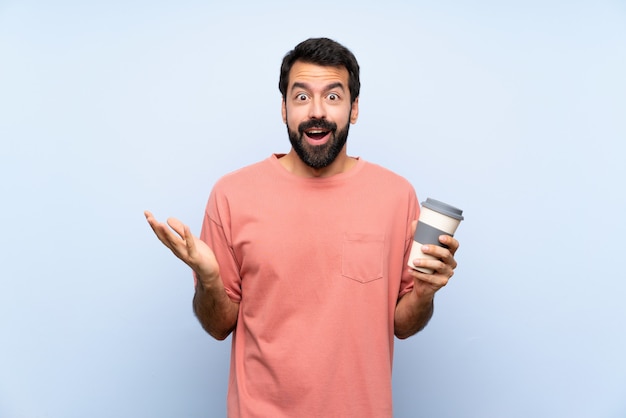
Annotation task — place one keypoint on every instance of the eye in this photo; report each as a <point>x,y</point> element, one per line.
<point>301,97</point>
<point>333,97</point>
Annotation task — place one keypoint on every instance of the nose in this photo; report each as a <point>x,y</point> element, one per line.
<point>317,110</point>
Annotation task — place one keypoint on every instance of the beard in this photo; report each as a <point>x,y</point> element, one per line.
<point>318,156</point>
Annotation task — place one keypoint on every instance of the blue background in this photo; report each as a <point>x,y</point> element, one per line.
<point>511,110</point>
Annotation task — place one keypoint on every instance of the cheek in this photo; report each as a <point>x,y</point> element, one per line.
<point>293,116</point>
<point>344,117</point>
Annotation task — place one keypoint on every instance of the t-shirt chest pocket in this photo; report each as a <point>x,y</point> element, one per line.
<point>362,256</point>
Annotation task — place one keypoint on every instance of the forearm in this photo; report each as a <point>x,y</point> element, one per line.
<point>412,314</point>
<point>216,312</point>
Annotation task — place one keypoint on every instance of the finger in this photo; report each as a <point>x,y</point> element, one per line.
<point>149,217</point>
<point>159,229</point>
<point>154,224</point>
<point>189,240</point>
<point>450,242</point>
<point>435,250</point>
<point>445,255</point>
<point>442,272</point>
<point>436,279</point>
<point>443,259</point>
<point>434,266</point>
<point>452,245</point>
<point>441,253</point>
<point>163,233</point>
<point>177,226</point>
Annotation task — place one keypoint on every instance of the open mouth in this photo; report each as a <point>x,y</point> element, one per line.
<point>316,134</point>
<point>317,131</point>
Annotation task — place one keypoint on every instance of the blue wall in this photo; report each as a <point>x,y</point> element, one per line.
<point>108,109</point>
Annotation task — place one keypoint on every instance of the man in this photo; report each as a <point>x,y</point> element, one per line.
<point>303,258</point>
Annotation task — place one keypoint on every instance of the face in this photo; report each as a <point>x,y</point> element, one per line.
<point>318,112</point>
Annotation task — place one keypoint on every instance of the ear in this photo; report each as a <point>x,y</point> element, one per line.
<point>354,113</point>
<point>283,111</point>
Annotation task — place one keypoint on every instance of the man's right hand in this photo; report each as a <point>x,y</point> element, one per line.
<point>191,250</point>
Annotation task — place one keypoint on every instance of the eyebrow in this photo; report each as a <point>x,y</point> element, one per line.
<point>305,86</point>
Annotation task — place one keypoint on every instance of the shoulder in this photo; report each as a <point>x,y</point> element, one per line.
<point>245,175</point>
<point>388,186</point>
<point>387,192</point>
<point>384,176</point>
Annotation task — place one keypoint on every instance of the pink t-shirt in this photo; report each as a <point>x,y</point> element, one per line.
<point>317,265</point>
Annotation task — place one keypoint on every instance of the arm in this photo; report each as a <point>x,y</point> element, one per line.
<point>415,308</point>
<point>214,309</point>
<point>216,312</point>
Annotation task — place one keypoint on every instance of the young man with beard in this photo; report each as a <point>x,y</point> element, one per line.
<point>303,257</point>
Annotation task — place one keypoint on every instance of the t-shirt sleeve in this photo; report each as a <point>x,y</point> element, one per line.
<point>406,284</point>
<point>216,234</point>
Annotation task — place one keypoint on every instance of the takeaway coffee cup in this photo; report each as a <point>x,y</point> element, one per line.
<point>436,218</point>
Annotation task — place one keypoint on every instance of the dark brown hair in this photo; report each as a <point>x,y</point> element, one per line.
<point>324,52</point>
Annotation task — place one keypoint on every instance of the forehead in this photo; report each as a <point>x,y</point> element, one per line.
<point>307,73</point>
